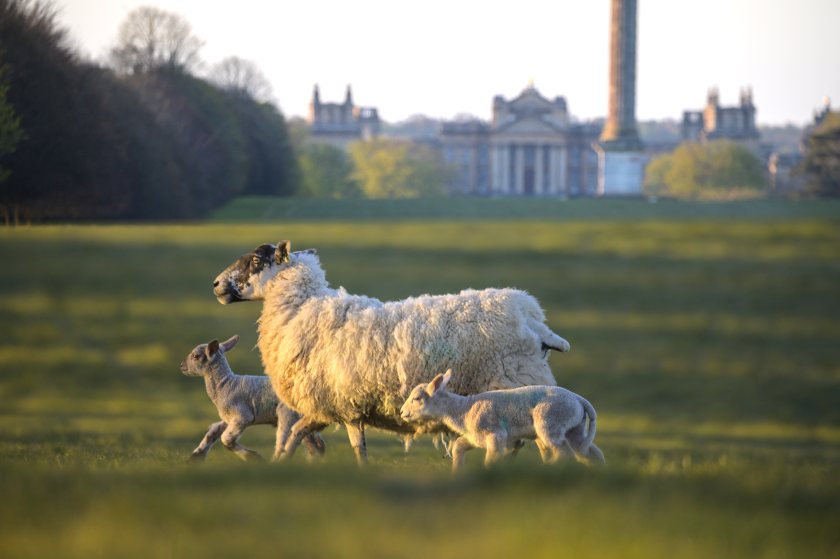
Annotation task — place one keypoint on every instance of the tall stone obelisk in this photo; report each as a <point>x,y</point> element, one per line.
<point>621,161</point>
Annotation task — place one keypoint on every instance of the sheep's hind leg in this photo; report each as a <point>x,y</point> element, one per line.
<point>300,429</point>
<point>286,418</point>
<point>230,438</point>
<point>356,432</point>
<point>213,433</point>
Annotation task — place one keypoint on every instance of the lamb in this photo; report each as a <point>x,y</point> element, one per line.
<point>497,420</point>
<point>242,401</point>
<point>337,357</point>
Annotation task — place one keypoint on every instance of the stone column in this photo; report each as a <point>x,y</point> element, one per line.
<point>538,170</point>
<point>621,161</point>
<point>519,167</point>
<point>621,119</point>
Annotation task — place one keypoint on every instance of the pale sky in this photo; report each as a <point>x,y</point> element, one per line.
<point>444,57</point>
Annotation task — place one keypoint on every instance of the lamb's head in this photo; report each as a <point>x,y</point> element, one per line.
<point>427,402</point>
<point>246,278</point>
<point>201,359</point>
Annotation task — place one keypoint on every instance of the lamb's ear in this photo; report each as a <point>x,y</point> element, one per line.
<point>434,386</point>
<point>211,349</point>
<point>282,252</point>
<point>231,343</point>
<point>447,376</point>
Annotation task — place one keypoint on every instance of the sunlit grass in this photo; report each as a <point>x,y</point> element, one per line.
<point>708,345</point>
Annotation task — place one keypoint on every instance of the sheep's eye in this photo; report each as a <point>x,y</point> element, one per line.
<point>255,260</point>
<point>194,356</point>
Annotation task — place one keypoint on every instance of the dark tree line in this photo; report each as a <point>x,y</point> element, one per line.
<point>138,141</point>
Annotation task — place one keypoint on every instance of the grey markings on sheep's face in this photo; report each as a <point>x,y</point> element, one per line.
<point>245,278</point>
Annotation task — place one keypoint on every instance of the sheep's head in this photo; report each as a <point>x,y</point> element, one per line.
<point>246,278</point>
<point>198,361</point>
<point>427,401</point>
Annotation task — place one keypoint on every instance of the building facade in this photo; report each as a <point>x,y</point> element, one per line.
<point>339,124</point>
<point>530,148</point>
<point>715,122</point>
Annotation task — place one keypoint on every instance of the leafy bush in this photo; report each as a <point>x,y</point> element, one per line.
<point>719,169</point>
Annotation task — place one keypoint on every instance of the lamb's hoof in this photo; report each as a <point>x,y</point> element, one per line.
<point>196,458</point>
<point>253,457</point>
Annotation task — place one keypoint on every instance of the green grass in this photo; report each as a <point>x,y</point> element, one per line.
<point>709,345</point>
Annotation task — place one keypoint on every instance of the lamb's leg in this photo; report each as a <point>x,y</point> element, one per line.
<point>300,429</point>
<point>408,440</point>
<point>495,448</point>
<point>230,438</point>
<point>314,444</point>
<point>442,439</point>
<point>458,448</point>
<point>545,451</point>
<point>356,432</point>
<point>595,454</point>
<point>213,433</point>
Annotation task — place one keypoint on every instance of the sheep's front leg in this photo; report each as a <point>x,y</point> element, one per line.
<point>300,429</point>
<point>230,438</point>
<point>458,448</point>
<point>213,433</point>
<point>356,432</point>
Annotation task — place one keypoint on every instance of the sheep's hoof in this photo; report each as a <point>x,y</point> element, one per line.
<point>196,458</point>
<point>253,457</point>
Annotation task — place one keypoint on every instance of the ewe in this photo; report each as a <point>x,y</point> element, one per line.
<point>242,401</point>
<point>337,357</point>
<point>499,419</point>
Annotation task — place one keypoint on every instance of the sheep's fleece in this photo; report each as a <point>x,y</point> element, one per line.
<point>338,357</point>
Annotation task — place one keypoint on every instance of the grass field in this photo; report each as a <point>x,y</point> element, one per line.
<point>706,335</point>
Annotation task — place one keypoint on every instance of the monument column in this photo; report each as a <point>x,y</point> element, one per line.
<point>621,160</point>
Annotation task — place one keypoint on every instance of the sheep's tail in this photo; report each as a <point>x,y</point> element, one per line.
<point>589,411</point>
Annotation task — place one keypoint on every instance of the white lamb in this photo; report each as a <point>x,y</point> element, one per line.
<point>242,401</point>
<point>337,357</point>
<point>498,420</point>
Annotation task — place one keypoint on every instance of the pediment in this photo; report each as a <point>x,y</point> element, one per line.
<point>530,101</point>
<point>528,126</point>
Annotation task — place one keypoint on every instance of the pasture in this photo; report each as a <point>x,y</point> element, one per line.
<point>706,335</point>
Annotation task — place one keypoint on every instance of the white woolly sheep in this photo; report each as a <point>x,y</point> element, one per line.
<point>499,419</point>
<point>242,401</point>
<point>337,357</point>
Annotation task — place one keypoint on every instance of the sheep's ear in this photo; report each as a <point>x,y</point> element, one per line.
<point>211,349</point>
<point>231,343</point>
<point>434,386</point>
<point>282,252</point>
<point>447,376</point>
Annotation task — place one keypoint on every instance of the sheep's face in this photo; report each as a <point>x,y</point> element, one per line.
<point>427,402</point>
<point>246,278</point>
<point>198,361</point>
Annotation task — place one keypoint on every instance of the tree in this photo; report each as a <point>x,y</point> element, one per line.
<point>719,169</point>
<point>272,164</point>
<point>395,169</point>
<point>151,38</point>
<point>10,131</point>
<point>238,75</point>
<point>327,172</point>
<point>822,157</point>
